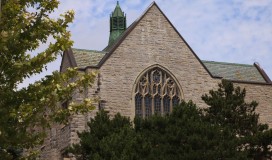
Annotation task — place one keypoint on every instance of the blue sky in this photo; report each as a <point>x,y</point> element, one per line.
<point>238,31</point>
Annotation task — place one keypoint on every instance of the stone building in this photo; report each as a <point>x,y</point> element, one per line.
<point>148,68</point>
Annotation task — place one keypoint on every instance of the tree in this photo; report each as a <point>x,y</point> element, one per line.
<point>227,129</point>
<point>180,135</point>
<point>228,110</point>
<point>24,25</point>
<point>110,139</point>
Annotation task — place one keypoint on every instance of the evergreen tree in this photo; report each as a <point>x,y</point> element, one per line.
<point>109,139</point>
<point>238,119</point>
<point>180,135</point>
<point>184,134</point>
<point>228,129</point>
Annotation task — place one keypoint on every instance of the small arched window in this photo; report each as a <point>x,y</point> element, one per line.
<point>156,92</point>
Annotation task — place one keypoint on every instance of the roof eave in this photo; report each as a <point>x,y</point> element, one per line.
<point>88,67</point>
<point>250,82</point>
<point>262,72</point>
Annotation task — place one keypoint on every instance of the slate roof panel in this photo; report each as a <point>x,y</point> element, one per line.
<point>233,71</point>
<point>86,58</point>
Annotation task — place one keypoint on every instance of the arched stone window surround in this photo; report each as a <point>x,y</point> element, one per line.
<point>163,101</point>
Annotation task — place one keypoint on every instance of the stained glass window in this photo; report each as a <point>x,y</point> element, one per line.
<point>138,105</point>
<point>156,76</point>
<point>156,92</point>
<point>148,106</point>
<point>166,104</point>
<point>154,89</point>
<point>175,101</point>
<point>157,104</point>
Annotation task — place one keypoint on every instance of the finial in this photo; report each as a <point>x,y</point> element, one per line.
<point>117,2</point>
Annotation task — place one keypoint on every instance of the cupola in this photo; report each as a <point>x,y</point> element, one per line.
<point>117,23</point>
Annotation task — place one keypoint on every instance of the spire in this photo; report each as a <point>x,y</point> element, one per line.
<point>118,11</point>
<point>117,23</point>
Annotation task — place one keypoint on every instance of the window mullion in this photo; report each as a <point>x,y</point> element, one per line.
<point>143,106</point>
<point>171,104</point>
<point>152,104</point>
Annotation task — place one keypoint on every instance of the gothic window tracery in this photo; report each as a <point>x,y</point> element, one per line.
<point>138,104</point>
<point>148,105</point>
<point>166,104</point>
<point>156,93</point>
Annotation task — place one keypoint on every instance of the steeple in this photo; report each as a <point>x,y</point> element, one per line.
<point>117,23</point>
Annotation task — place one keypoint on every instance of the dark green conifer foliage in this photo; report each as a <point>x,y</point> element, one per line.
<point>227,130</point>
<point>238,119</point>
<point>109,139</point>
<point>185,135</point>
<point>180,135</point>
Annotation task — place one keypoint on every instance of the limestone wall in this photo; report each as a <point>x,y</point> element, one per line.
<point>152,42</point>
<point>61,136</point>
<point>263,95</point>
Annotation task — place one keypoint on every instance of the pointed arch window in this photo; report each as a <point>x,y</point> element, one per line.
<point>157,104</point>
<point>156,92</point>
<point>166,104</point>
<point>148,105</point>
<point>138,104</point>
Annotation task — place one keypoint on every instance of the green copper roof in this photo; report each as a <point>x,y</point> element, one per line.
<point>118,11</point>
<point>233,71</point>
<point>114,35</point>
<point>117,24</point>
<point>86,58</point>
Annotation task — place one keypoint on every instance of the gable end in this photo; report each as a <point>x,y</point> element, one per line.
<point>68,60</point>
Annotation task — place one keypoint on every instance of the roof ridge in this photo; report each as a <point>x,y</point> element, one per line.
<point>228,63</point>
<point>79,49</point>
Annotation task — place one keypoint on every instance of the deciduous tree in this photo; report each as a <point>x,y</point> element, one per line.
<point>24,25</point>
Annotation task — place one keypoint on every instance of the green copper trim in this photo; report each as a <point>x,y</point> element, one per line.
<point>118,11</point>
<point>117,23</point>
